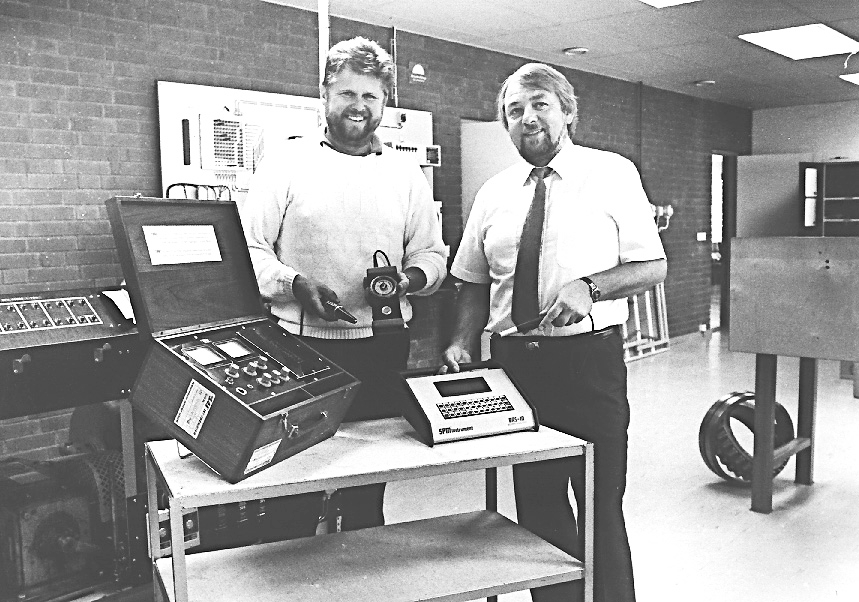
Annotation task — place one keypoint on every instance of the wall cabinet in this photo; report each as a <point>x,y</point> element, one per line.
<point>830,199</point>
<point>448,558</point>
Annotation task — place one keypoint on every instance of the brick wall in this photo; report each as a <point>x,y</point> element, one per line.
<point>78,125</point>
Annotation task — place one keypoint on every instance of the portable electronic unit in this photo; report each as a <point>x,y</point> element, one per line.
<point>478,401</point>
<point>221,375</point>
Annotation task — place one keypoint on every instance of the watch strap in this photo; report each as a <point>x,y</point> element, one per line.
<point>594,289</point>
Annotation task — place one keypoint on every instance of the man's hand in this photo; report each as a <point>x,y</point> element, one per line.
<point>571,306</point>
<point>453,356</point>
<point>313,295</point>
<point>411,280</point>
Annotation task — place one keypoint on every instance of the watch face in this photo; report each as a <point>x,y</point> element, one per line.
<point>383,286</point>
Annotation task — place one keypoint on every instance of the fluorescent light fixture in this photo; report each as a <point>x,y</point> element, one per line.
<point>853,78</point>
<point>575,51</point>
<point>804,41</point>
<point>664,3</point>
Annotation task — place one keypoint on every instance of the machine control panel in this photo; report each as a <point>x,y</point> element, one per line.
<point>34,314</point>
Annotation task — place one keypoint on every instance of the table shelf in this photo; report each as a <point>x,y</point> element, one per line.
<point>459,557</point>
<point>450,558</point>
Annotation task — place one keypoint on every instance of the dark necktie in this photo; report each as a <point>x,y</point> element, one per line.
<point>526,305</point>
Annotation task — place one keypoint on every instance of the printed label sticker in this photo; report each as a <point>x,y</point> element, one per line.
<point>262,456</point>
<point>194,409</point>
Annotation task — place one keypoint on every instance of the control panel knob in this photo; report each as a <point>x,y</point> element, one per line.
<point>261,362</point>
<point>250,370</point>
<point>264,382</point>
<point>275,380</point>
<point>232,371</point>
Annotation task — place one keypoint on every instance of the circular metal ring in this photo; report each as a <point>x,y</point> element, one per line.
<point>719,447</point>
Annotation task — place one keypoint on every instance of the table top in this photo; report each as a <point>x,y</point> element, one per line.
<point>359,453</point>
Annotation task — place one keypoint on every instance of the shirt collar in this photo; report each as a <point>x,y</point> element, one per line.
<point>561,164</point>
<point>376,145</point>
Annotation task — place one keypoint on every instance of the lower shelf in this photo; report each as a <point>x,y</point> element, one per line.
<point>452,558</point>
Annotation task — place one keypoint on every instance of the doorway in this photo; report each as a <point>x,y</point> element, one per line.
<point>723,198</point>
<point>716,266</point>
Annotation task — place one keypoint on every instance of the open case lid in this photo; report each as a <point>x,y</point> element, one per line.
<point>185,262</point>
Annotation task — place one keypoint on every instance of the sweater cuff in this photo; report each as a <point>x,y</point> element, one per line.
<point>433,276</point>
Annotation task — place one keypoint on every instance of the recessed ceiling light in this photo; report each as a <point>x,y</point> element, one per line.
<point>853,78</point>
<point>804,41</point>
<point>576,51</point>
<point>664,3</point>
<point>703,83</point>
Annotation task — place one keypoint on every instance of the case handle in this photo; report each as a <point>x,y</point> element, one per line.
<point>295,429</point>
<point>18,364</point>
<point>98,352</point>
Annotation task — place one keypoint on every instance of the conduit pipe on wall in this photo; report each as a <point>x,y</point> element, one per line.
<point>324,29</point>
<point>395,92</point>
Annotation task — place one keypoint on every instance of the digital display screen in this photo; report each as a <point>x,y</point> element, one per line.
<point>203,355</point>
<point>233,348</point>
<point>462,386</point>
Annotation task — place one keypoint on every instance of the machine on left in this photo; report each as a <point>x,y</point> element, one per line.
<point>76,519</point>
<point>63,349</point>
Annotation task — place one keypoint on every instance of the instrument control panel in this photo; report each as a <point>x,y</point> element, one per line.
<point>35,314</point>
<point>262,373</point>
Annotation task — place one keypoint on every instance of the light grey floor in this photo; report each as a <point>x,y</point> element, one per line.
<point>693,536</point>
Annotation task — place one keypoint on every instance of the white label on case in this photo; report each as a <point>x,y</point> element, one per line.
<point>262,456</point>
<point>194,409</point>
<point>179,244</point>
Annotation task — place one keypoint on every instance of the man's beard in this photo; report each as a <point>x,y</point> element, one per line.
<point>539,151</point>
<point>342,129</point>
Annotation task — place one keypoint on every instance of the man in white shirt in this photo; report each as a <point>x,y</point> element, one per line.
<point>561,238</point>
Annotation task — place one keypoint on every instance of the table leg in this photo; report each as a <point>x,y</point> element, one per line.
<point>806,419</point>
<point>152,512</point>
<point>764,422</point>
<point>492,502</point>
<point>177,543</point>
<point>589,522</point>
<point>492,489</point>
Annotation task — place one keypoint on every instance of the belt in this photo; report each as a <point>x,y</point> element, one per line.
<point>532,343</point>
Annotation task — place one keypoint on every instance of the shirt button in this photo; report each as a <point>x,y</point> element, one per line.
<point>532,345</point>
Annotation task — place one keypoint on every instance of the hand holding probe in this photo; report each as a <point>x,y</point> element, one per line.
<point>523,327</point>
<point>340,312</point>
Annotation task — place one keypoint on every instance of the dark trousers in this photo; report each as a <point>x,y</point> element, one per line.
<point>376,362</point>
<point>578,386</point>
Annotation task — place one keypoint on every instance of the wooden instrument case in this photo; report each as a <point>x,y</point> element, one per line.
<point>196,299</point>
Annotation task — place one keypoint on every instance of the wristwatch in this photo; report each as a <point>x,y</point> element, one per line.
<point>595,291</point>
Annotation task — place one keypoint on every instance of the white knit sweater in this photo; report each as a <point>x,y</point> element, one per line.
<point>314,211</point>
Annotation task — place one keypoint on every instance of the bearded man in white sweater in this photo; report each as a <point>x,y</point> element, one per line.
<point>318,210</point>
